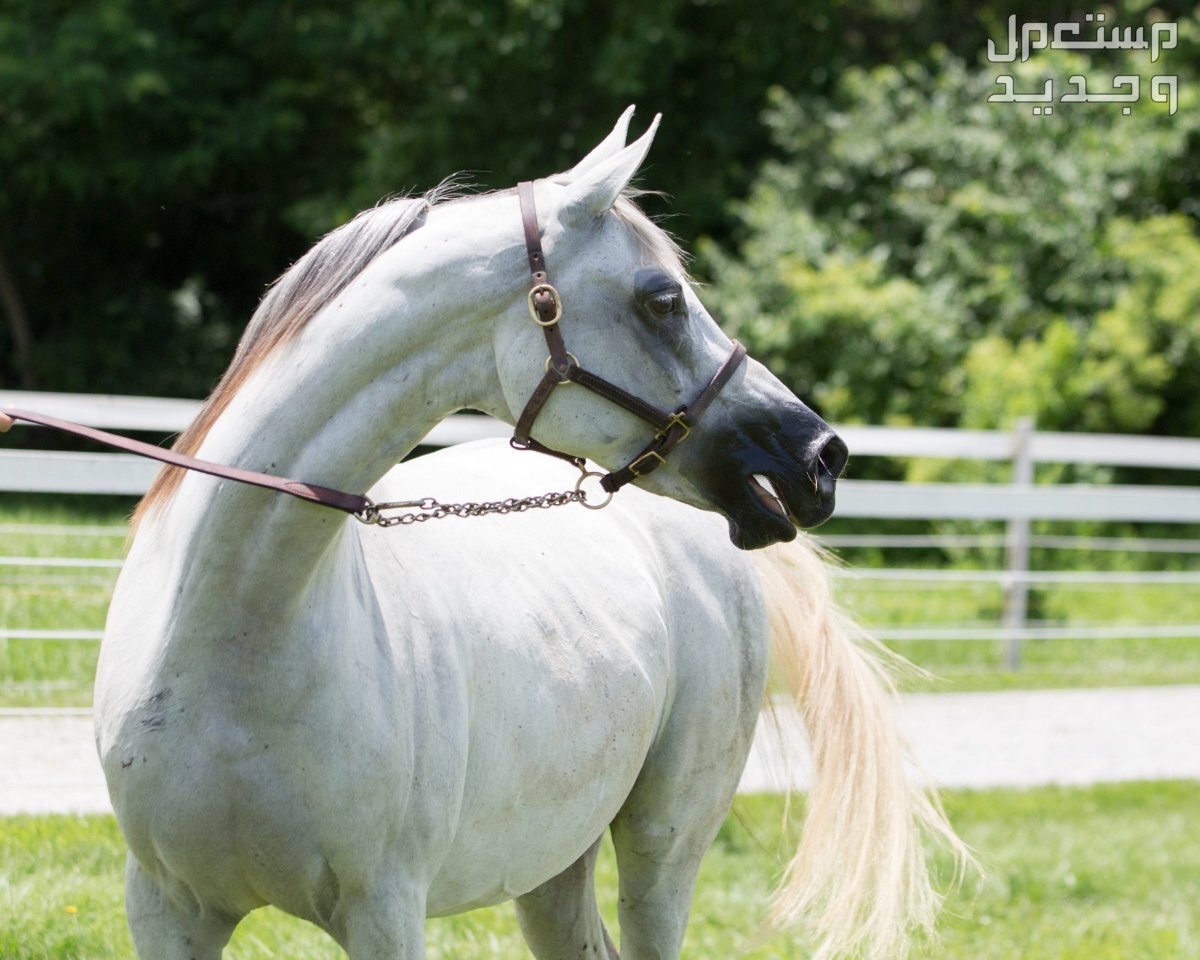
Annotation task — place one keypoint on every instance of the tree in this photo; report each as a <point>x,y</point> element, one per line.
<point>139,183</point>
<point>921,255</point>
<point>163,161</point>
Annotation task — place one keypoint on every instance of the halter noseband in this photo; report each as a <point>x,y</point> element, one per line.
<point>546,309</point>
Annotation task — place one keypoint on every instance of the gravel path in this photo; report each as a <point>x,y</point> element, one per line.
<point>1018,739</point>
<point>1029,738</point>
<point>48,764</point>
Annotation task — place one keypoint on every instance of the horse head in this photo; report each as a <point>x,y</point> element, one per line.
<point>631,317</point>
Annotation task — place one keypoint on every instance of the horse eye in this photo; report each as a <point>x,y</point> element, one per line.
<point>664,304</point>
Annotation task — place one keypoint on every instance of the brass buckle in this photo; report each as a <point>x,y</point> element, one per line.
<point>633,467</point>
<point>558,311</point>
<point>676,419</point>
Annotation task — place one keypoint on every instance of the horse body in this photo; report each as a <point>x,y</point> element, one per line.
<point>366,726</point>
<point>467,730</point>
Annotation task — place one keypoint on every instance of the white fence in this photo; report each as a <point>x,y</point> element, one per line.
<point>1020,500</point>
<point>1017,503</point>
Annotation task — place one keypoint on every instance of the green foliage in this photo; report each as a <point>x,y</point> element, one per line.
<point>139,189</point>
<point>922,255</point>
<point>858,341</point>
<point>163,161</point>
<point>1129,369</point>
<point>1161,302</point>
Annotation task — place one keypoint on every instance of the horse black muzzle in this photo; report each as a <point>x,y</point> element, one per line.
<point>774,474</point>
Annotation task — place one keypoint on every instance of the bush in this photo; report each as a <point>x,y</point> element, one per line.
<point>920,255</point>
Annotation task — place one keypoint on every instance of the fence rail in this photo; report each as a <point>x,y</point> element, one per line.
<point>115,473</point>
<point>1017,503</point>
<point>111,473</point>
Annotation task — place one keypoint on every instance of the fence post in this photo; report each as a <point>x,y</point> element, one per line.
<point>1016,601</point>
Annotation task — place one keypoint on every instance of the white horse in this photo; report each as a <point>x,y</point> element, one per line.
<point>366,727</point>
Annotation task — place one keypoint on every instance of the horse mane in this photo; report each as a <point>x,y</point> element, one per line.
<point>289,304</point>
<point>658,244</point>
<point>319,276</point>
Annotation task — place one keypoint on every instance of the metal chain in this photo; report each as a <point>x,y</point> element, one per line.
<point>431,509</point>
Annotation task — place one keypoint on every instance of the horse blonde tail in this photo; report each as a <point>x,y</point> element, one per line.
<point>859,882</point>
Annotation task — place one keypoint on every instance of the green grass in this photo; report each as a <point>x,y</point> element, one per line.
<point>55,672</point>
<point>1052,664</point>
<point>1101,873</point>
<point>59,672</point>
<point>980,664</point>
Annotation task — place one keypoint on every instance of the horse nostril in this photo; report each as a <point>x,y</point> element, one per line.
<point>832,457</point>
<point>831,460</point>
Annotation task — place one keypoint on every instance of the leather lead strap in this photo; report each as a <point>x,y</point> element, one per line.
<point>313,493</point>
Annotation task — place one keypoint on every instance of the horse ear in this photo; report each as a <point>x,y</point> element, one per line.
<point>597,188</point>
<point>605,148</point>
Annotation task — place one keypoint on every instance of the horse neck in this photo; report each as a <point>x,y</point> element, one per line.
<point>408,343</point>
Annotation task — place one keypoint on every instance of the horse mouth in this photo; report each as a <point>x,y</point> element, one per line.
<point>764,492</point>
<point>774,507</point>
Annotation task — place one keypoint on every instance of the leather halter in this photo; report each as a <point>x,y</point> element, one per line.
<point>546,309</point>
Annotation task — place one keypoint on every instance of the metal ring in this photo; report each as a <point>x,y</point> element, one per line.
<point>579,490</point>
<point>562,373</point>
<point>369,514</point>
<point>558,311</point>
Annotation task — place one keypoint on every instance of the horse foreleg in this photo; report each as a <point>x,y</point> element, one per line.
<point>667,825</point>
<point>166,927</point>
<point>386,925</point>
<point>657,879</point>
<point>560,918</point>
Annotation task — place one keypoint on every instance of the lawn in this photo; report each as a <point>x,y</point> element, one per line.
<point>40,672</point>
<point>1103,873</point>
<point>58,672</point>
<point>1095,874</point>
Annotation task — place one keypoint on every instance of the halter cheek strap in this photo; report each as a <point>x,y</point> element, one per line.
<point>545,308</point>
